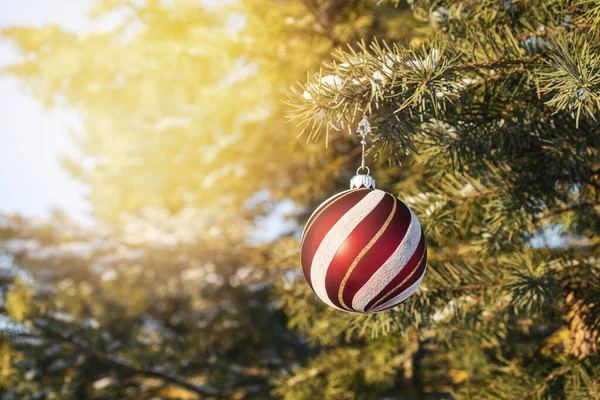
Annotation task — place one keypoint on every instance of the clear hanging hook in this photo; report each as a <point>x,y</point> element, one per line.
<point>361,180</point>
<point>364,128</point>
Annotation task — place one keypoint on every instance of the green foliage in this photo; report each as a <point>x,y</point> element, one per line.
<point>575,80</point>
<point>494,120</point>
<point>16,300</point>
<point>185,150</point>
<point>484,118</point>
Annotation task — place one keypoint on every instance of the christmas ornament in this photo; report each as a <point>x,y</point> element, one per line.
<point>363,250</point>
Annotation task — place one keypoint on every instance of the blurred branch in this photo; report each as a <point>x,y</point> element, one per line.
<point>552,31</point>
<point>473,286</point>
<point>121,363</point>
<point>557,372</point>
<point>544,217</point>
<point>321,19</point>
<point>318,14</point>
<point>498,63</point>
<point>474,195</point>
<point>573,208</point>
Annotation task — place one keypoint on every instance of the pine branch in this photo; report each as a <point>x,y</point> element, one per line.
<point>572,208</point>
<point>503,74</point>
<point>497,312</point>
<point>497,63</point>
<point>551,31</point>
<point>557,372</point>
<point>576,207</point>
<point>321,19</point>
<point>120,363</point>
<point>475,195</point>
<point>473,286</point>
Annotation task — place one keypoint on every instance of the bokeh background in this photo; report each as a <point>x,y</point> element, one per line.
<point>153,190</point>
<point>32,181</point>
<point>159,158</point>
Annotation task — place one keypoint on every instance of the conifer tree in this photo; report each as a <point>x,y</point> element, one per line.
<point>485,123</point>
<point>489,130</point>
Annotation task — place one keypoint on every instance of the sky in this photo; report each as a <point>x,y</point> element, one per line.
<point>31,139</point>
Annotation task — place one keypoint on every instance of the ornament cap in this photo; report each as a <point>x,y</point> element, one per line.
<point>362,181</point>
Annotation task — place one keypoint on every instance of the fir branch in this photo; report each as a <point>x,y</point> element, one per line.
<point>555,30</point>
<point>499,63</point>
<point>470,196</point>
<point>554,374</point>
<point>504,307</point>
<point>572,208</point>
<point>321,19</point>
<point>122,364</point>
<point>503,74</point>
<point>473,286</point>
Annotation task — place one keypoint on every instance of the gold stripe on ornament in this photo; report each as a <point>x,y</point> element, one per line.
<point>317,216</point>
<point>362,254</point>
<point>388,294</point>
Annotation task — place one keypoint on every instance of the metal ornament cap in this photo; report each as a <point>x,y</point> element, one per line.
<point>362,181</point>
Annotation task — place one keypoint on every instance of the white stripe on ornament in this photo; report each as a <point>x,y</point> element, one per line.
<point>335,238</point>
<point>402,296</point>
<point>392,267</point>
<point>321,206</point>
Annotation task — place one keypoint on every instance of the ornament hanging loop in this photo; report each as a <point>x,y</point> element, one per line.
<point>362,168</point>
<point>364,128</point>
<point>363,180</point>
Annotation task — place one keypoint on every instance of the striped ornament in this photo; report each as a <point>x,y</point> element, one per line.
<point>363,251</point>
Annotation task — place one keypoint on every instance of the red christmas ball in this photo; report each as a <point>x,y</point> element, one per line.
<point>363,251</point>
